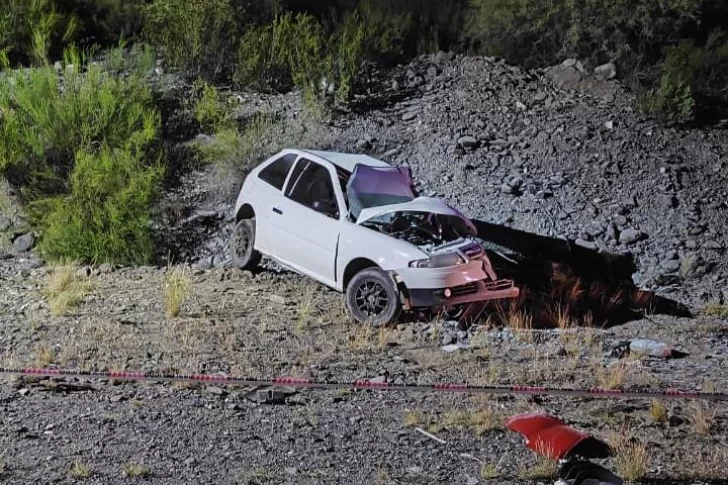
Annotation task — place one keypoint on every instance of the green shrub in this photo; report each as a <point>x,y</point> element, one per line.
<point>105,218</point>
<point>77,144</point>
<point>259,63</point>
<point>535,32</point>
<point>46,119</point>
<point>210,112</point>
<point>350,40</point>
<point>195,35</point>
<point>671,102</point>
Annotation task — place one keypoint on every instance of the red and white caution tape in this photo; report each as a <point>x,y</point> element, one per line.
<point>367,384</point>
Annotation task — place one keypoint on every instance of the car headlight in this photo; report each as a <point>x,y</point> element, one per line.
<point>440,261</point>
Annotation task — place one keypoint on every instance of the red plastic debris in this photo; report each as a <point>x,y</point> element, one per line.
<point>555,439</point>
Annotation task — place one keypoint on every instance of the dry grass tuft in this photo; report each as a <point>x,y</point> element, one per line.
<point>658,412</point>
<point>361,338</point>
<point>177,287</point>
<point>631,457</point>
<point>543,469</point>
<point>701,418</point>
<point>720,311</point>
<point>136,470</point>
<point>384,337</point>
<point>415,418</point>
<point>64,288</point>
<point>489,471</point>
<point>80,471</point>
<point>44,355</point>
<point>614,376</point>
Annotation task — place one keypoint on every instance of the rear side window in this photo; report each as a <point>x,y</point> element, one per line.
<point>275,174</point>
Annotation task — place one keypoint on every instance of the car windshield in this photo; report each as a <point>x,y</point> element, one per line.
<point>421,228</point>
<point>378,186</point>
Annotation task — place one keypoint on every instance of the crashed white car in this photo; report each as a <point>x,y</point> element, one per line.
<point>357,225</point>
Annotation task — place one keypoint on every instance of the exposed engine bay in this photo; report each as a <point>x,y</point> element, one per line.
<point>426,230</point>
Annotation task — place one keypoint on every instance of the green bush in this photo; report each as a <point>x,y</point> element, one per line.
<point>671,102</point>
<point>105,218</point>
<point>535,32</point>
<point>36,31</point>
<point>259,63</point>
<point>195,35</point>
<point>210,111</point>
<point>76,142</point>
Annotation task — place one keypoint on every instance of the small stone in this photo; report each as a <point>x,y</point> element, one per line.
<point>117,398</point>
<point>363,145</point>
<point>23,392</point>
<point>620,221</point>
<point>5,223</point>
<point>471,480</point>
<point>467,141</point>
<point>585,244</point>
<point>609,125</point>
<point>666,200</point>
<point>292,471</point>
<point>409,116</point>
<point>569,63</point>
<point>215,390</point>
<point>606,72</point>
<point>670,265</point>
<point>378,380</point>
<point>190,461</point>
<point>506,189</point>
<point>521,106</point>
<point>714,245</point>
<point>24,243</point>
<point>630,236</point>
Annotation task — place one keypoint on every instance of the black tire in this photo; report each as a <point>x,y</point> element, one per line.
<point>242,245</point>
<point>372,298</point>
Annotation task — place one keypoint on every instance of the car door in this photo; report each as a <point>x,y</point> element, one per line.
<point>311,217</point>
<point>268,192</point>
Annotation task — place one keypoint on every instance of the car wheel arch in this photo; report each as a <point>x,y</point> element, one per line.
<point>355,266</point>
<point>246,211</point>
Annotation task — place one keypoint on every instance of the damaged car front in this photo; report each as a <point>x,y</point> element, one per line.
<point>451,268</point>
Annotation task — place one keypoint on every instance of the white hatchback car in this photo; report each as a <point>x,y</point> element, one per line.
<point>357,225</point>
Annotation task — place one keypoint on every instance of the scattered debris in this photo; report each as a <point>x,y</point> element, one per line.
<point>455,347</point>
<point>432,436</point>
<point>578,472</point>
<point>554,439</point>
<point>655,349</point>
<point>270,395</point>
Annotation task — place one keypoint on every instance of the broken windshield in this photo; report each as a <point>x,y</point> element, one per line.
<point>421,228</point>
<point>378,186</point>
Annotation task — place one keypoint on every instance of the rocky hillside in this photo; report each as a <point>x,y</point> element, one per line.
<point>558,152</point>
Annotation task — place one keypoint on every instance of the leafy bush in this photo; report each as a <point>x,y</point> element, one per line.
<point>195,35</point>
<point>536,32</point>
<point>210,112</point>
<point>105,218</point>
<point>671,102</point>
<point>39,30</point>
<point>76,144</point>
<point>259,63</point>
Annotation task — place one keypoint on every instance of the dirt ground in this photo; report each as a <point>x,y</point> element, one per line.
<point>278,324</point>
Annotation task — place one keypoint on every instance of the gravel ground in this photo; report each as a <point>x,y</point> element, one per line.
<point>554,153</point>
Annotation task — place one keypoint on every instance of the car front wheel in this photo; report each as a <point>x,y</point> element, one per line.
<point>242,246</point>
<point>372,298</point>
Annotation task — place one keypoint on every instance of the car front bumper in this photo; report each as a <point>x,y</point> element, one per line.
<point>477,291</point>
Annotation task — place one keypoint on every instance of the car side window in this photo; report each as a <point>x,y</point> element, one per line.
<point>311,186</point>
<point>275,174</point>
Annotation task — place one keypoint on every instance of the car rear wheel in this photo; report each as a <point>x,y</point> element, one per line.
<point>242,246</point>
<point>372,298</point>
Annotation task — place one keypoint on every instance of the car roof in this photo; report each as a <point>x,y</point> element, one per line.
<point>347,161</point>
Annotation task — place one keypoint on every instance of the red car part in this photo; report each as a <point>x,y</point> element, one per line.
<point>555,439</point>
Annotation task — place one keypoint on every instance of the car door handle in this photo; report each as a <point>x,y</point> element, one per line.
<point>277,211</point>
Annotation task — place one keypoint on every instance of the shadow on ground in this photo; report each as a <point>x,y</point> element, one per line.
<point>564,284</point>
